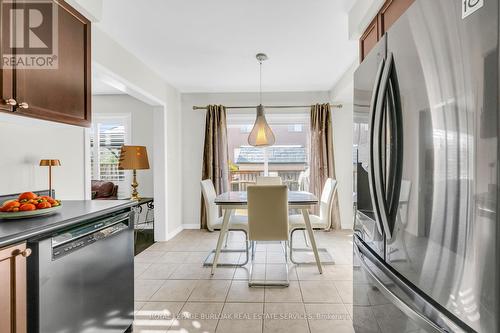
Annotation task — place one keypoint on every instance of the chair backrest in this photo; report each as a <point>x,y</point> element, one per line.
<point>326,202</point>
<point>404,198</point>
<point>267,180</point>
<point>267,212</point>
<point>402,215</point>
<point>209,195</point>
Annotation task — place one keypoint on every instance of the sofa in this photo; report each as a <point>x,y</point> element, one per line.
<point>104,190</point>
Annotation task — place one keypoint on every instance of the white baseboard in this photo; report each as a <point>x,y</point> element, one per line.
<point>174,233</point>
<point>191,226</point>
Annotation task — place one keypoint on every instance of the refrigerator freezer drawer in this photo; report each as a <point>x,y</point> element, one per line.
<point>411,302</point>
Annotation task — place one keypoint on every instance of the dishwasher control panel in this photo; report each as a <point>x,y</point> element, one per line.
<point>93,234</point>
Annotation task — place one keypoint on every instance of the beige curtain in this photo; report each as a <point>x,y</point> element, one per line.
<point>215,154</point>
<point>322,161</point>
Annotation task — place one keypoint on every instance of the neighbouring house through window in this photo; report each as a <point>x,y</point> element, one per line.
<point>287,158</point>
<point>108,133</point>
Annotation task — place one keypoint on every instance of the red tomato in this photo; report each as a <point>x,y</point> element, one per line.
<point>27,196</point>
<point>27,207</point>
<point>9,205</point>
<point>43,205</point>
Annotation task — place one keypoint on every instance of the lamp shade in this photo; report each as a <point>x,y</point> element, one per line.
<point>133,158</point>
<point>261,134</point>
<point>50,163</point>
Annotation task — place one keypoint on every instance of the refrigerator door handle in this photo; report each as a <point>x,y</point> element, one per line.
<point>374,133</point>
<point>395,172</point>
<point>418,317</point>
<point>387,190</point>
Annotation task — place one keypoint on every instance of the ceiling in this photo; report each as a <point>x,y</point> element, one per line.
<point>210,46</point>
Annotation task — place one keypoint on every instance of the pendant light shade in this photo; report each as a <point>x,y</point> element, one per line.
<point>261,134</point>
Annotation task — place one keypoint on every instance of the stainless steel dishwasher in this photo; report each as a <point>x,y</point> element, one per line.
<point>82,279</point>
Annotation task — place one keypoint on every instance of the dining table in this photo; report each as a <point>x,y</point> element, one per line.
<point>232,200</point>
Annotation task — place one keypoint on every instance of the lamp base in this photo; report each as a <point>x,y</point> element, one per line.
<point>135,195</point>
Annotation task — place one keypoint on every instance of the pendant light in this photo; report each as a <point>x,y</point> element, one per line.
<point>261,134</point>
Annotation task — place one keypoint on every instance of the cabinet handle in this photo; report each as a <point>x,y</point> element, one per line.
<point>26,253</point>
<point>11,102</point>
<point>23,105</point>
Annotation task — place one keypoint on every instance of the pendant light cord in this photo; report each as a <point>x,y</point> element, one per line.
<point>260,82</point>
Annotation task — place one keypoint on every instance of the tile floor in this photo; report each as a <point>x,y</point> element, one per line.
<point>175,293</point>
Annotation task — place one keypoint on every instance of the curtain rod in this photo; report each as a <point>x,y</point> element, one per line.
<point>338,106</point>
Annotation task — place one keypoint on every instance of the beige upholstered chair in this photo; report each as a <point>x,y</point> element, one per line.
<point>267,180</point>
<point>268,221</point>
<point>321,222</point>
<point>214,221</point>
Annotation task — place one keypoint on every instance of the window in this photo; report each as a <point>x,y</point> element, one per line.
<point>246,128</point>
<point>107,135</point>
<point>295,128</point>
<point>288,158</point>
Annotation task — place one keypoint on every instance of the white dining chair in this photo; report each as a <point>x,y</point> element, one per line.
<point>268,221</point>
<point>321,222</point>
<point>214,222</point>
<point>268,180</point>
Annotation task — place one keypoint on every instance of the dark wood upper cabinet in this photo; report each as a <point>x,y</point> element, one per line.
<point>63,93</point>
<point>13,280</point>
<point>385,18</point>
<point>369,39</point>
<point>6,75</point>
<point>390,12</point>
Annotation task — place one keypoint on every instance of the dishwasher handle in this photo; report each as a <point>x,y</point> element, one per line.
<point>80,232</point>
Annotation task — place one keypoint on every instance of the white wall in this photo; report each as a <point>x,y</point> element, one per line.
<point>193,128</point>
<point>141,131</point>
<point>342,92</point>
<point>144,84</point>
<point>24,142</point>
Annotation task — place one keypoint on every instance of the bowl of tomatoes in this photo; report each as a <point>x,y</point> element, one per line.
<point>29,204</point>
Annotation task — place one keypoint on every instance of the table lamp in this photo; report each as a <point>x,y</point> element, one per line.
<point>134,158</point>
<point>50,164</point>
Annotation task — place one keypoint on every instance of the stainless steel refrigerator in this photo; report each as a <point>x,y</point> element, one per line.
<point>426,103</point>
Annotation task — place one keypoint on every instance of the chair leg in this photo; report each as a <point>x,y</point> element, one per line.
<point>305,238</point>
<point>207,263</point>
<point>227,237</point>
<point>286,253</point>
<point>284,283</point>
<point>320,249</point>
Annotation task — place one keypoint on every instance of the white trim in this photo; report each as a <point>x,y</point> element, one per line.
<point>88,170</point>
<point>191,226</point>
<point>172,234</point>
<point>361,15</point>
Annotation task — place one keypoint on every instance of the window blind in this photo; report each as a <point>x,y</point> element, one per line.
<point>106,140</point>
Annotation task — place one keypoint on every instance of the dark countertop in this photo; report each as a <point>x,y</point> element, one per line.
<point>71,213</point>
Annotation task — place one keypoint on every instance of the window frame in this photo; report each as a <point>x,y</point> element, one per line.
<point>94,134</point>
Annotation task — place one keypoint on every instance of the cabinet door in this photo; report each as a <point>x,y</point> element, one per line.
<point>391,11</point>
<point>6,83</point>
<point>369,39</point>
<point>62,94</point>
<point>13,316</point>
